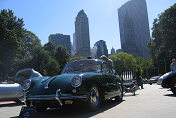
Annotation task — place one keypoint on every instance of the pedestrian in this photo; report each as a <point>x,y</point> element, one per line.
<point>173,65</point>
<point>139,78</point>
<point>109,61</point>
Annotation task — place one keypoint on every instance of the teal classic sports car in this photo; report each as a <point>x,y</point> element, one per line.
<point>90,80</point>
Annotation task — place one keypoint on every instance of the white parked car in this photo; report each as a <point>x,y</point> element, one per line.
<point>13,91</point>
<point>10,92</point>
<point>153,80</point>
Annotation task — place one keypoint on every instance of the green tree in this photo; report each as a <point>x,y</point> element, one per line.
<point>123,62</point>
<point>52,67</point>
<point>50,48</point>
<point>30,44</point>
<point>145,65</point>
<point>75,58</point>
<point>43,62</point>
<point>11,39</point>
<point>61,56</point>
<point>162,43</point>
<point>20,48</point>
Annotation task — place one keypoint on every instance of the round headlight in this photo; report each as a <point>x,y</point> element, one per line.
<point>76,81</point>
<point>26,84</point>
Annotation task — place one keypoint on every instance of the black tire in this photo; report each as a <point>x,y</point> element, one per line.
<point>95,98</point>
<point>120,97</point>
<point>150,83</point>
<point>173,86</point>
<point>134,90</point>
<point>41,108</point>
<point>28,103</point>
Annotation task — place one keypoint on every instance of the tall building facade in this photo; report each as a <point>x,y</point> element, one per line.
<point>82,35</point>
<point>60,39</point>
<point>74,42</point>
<point>113,52</point>
<point>134,28</point>
<point>118,51</point>
<point>101,49</point>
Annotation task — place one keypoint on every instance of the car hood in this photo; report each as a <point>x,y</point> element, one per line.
<point>169,74</point>
<point>49,85</point>
<point>62,82</point>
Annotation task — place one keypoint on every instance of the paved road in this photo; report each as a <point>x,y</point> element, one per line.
<point>151,102</point>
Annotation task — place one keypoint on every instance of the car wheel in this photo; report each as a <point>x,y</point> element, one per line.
<point>134,90</point>
<point>173,86</point>
<point>120,97</point>
<point>41,108</point>
<point>150,83</point>
<point>95,98</point>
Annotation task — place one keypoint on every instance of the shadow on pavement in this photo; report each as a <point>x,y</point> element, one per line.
<point>162,88</point>
<point>74,111</point>
<point>170,95</point>
<point>11,104</point>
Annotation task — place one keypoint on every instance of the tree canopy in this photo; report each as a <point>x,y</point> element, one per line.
<point>126,62</point>
<point>61,56</point>
<point>20,48</point>
<point>162,42</point>
<point>11,39</point>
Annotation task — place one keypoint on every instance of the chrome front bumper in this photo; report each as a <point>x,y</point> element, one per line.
<point>58,97</point>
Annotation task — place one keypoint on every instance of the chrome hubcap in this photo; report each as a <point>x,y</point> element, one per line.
<point>94,96</point>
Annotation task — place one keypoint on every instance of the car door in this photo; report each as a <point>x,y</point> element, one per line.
<point>112,86</point>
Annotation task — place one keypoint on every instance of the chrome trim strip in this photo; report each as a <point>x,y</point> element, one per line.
<point>53,98</point>
<point>48,81</point>
<point>58,94</point>
<point>58,97</point>
<point>75,97</point>
<point>61,98</point>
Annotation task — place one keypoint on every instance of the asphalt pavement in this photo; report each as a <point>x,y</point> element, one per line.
<point>151,102</point>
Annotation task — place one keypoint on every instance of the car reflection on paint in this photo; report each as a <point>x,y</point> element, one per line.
<point>90,80</point>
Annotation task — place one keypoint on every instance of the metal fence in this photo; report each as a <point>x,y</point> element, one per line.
<point>127,77</point>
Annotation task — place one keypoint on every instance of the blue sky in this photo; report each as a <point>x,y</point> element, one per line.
<point>45,17</point>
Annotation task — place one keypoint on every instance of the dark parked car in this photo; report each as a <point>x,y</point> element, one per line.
<point>169,81</point>
<point>90,80</point>
<point>153,80</point>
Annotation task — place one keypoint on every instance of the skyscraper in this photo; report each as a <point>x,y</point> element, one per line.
<point>113,52</point>
<point>82,35</point>
<point>74,42</point>
<point>134,28</point>
<point>60,39</point>
<point>101,49</point>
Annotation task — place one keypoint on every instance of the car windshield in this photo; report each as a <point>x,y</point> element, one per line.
<point>82,66</point>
